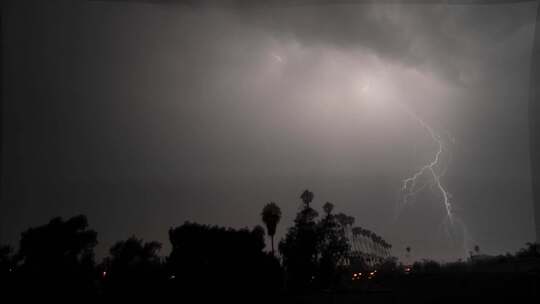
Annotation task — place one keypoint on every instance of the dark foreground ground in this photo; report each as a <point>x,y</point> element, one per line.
<point>433,288</point>
<point>459,287</point>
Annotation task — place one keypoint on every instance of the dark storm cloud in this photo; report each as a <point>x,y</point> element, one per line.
<point>404,31</point>
<point>425,37</point>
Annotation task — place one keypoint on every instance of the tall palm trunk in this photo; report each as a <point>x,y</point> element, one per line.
<point>272,241</point>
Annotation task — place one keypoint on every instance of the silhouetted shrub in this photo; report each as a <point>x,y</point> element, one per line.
<point>216,259</point>
<point>133,270</point>
<point>57,260</point>
<point>426,267</point>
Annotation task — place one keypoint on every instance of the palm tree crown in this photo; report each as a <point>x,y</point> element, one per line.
<point>307,197</point>
<point>271,215</point>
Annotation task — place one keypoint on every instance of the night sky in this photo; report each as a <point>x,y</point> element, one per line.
<point>143,116</point>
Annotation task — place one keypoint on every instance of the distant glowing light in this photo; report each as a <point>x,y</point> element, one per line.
<point>356,276</point>
<point>104,274</point>
<point>375,90</point>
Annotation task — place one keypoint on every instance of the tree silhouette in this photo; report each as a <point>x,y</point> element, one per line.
<point>5,258</point>
<point>345,220</point>
<point>333,247</point>
<point>6,264</point>
<point>299,247</point>
<point>312,251</point>
<point>307,197</point>
<point>408,254</point>
<point>57,258</point>
<point>6,270</point>
<point>531,250</point>
<point>133,265</point>
<point>221,259</point>
<point>328,207</point>
<point>271,215</point>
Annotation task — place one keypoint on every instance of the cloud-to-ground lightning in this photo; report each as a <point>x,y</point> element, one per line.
<point>410,185</point>
<point>435,170</point>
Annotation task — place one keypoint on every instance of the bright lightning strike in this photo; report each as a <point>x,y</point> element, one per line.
<point>435,171</point>
<point>431,174</point>
<point>410,185</point>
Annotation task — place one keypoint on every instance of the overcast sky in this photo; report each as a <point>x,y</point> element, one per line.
<point>143,116</point>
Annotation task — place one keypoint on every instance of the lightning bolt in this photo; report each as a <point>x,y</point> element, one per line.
<point>413,185</point>
<point>410,186</point>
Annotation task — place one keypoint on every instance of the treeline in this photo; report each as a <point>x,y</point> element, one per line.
<point>317,256</point>
<point>56,260</point>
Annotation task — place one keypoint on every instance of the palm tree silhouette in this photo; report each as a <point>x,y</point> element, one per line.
<point>271,215</point>
<point>408,254</point>
<point>307,197</point>
<point>328,207</point>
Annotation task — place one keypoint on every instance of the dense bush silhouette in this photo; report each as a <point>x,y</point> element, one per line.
<point>57,260</point>
<point>5,259</point>
<point>532,250</point>
<point>225,260</point>
<point>133,270</point>
<point>6,265</point>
